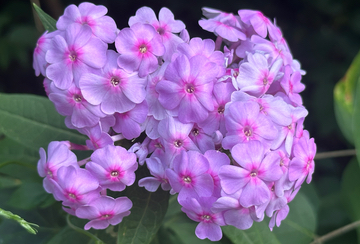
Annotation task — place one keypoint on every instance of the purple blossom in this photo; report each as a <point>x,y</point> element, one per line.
<point>139,46</point>
<point>113,166</point>
<point>74,54</point>
<point>259,22</point>
<point>157,169</point>
<point>42,45</point>
<point>104,211</point>
<point>91,15</point>
<point>189,176</point>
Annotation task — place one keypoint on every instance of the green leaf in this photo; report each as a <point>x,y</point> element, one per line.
<point>68,236</point>
<point>33,121</point>
<point>344,96</point>
<point>356,122</point>
<point>299,226</point>
<point>12,151</point>
<point>351,191</point>
<point>147,213</point>
<point>48,22</point>
<point>28,196</point>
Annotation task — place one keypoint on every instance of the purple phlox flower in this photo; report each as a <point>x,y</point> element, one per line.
<point>104,211</point>
<point>71,103</point>
<point>234,214</point>
<point>245,123</point>
<point>202,140</point>
<point>291,83</point>
<point>113,166</point>
<point>256,75</point>
<point>59,154</point>
<point>73,54</point>
<point>222,24</point>
<point>98,138</point>
<point>299,131</point>
<point>283,184</point>
<point>42,45</point>
<point>155,107</point>
<point>157,149</point>
<point>296,66</point>
<point>107,122</point>
<point>276,50</point>
<point>189,176</point>
<point>275,203</point>
<point>302,165</point>
<point>244,47</point>
<point>257,20</point>
<point>130,123</point>
<point>157,169</point>
<point>75,186</point>
<point>91,15</point>
<point>175,136</point>
<point>216,120</point>
<point>115,90</point>
<point>199,210</point>
<point>188,86</point>
<point>151,127</point>
<point>165,26</point>
<point>141,150</point>
<point>216,160</point>
<point>184,35</point>
<point>256,169</point>
<point>286,133</point>
<point>282,213</point>
<point>139,46</point>
<point>206,48</point>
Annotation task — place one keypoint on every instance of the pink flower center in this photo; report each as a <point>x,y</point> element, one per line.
<point>114,173</point>
<point>115,81</point>
<point>178,143</point>
<point>206,218</point>
<point>143,49</point>
<point>247,131</point>
<point>189,88</point>
<point>254,173</point>
<point>72,56</point>
<point>195,131</point>
<point>187,179</point>
<point>221,109</point>
<point>77,98</point>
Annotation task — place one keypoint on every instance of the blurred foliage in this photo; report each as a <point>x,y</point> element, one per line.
<point>324,35</point>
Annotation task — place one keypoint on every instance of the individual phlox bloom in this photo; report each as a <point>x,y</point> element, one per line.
<point>283,184</point>
<point>202,140</point>
<point>73,54</point>
<point>157,149</point>
<point>98,138</point>
<point>199,210</point>
<point>222,24</point>
<point>291,83</point>
<point>189,176</point>
<point>275,203</point>
<point>104,211</point>
<point>59,155</point>
<point>113,166</point>
<point>151,127</point>
<point>157,169</point>
<point>282,213</point>
<point>216,160</point>
<point>106,123</point>
<point>75,186</point>
<point>175,136</point>
<point>287,132</point>
<point>256,76</point>
<point>216,119</point>
<point>188,86</point>
<point>141,150</point>
<point>206,48</point>
<point>139,46</point>
<point>166,26</point>
<point>185,36</point>
<point>234,214</point>
<point>245,123</point>
<point>92,15</point>
<point>296,66</point>
<point>244,47</point>
<point>257,20</point>
<point>302,165</point>
<point>276,50</point>
<point>42,45</point>
<point>256,169</point>
<point>130,123</point>
<point>71,103</point>
<point>116,90</point>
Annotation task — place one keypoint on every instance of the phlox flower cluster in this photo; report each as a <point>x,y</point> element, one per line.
<point>222,120</point>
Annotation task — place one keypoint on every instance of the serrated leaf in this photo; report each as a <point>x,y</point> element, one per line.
<point>33,121</point>
<point>48,22</point>
<point>344,96</point>
<point>147,213</point>
<point>351,191</point>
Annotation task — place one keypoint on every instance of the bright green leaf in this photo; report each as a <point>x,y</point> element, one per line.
<point>344,98</point>
<point>147,213</point>
<point>28,226</point>
<point>48,22</point>
<point>33,121</point>
<point>351,191</point>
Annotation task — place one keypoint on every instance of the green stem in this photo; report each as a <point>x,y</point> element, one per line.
<point>336,232</point>
<point>95,238</point>
<point>334,154</point>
